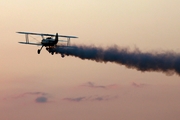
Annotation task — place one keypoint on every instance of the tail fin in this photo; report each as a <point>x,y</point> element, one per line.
<point>56,38</point>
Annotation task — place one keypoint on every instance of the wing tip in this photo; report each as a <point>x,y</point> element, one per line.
<point>22,32</point>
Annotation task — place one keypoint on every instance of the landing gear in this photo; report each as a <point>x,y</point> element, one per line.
<point>39,50</point>
<point>62,55</point>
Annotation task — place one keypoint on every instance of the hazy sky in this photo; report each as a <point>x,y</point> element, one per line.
<point>35,87</point>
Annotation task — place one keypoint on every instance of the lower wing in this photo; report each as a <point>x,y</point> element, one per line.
<point>30,43</point>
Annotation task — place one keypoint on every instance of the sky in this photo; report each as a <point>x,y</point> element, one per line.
<point>47,87</point>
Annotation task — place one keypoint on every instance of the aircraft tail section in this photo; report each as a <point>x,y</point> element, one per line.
<point>56,38</point>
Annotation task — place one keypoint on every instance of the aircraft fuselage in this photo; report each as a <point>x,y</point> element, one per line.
<point>48,42</point>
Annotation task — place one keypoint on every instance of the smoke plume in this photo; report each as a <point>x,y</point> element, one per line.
<point>167,62</point>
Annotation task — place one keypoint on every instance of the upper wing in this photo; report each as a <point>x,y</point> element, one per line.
<point>42,34</point>
<point>31,33</point>
<point>66,36</point>
<point>31,43</point>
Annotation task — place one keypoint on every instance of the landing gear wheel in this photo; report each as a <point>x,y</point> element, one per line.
<point>38,51</point>
<point>62,55</point>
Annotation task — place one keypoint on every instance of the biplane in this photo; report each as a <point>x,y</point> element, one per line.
<point>48,40</point>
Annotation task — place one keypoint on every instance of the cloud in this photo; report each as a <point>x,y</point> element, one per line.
<point>77,99</point>
<point>41,99</point>
<point>104,98</point>
<point>92,85</point>
<point>140,85</point>
<point>30,93</point>
<point>90,98</point>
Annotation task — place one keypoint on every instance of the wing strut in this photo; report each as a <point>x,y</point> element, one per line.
<point>27,38</point>
<point>68,42</point>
